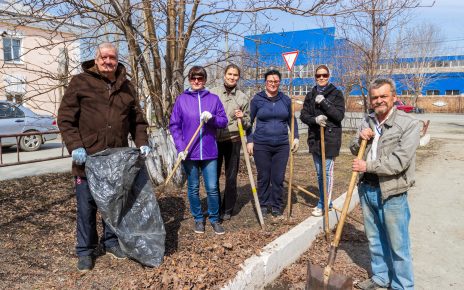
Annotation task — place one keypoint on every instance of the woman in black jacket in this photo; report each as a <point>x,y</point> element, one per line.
<point>324,106</point>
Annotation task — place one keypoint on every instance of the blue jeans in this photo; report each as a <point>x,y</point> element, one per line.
<point>87,236</point>
<point>386,224</point>
<point>208,169</point>
<point>329,169</point>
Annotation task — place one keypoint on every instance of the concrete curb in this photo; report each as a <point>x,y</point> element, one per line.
<point>258,271</point>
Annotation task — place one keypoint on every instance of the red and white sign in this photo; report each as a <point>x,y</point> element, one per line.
<point>290,58</point>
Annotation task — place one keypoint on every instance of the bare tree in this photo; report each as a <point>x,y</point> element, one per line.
<point>369,28</point>
<point>162,38</point>
<point>347,63</point>
<point>423,43</point>
<point>159,40</point>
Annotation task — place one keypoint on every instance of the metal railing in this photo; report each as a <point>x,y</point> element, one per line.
<point>18,137</point>
<point>349,123</point>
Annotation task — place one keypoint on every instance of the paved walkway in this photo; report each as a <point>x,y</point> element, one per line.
<point>437,208</point>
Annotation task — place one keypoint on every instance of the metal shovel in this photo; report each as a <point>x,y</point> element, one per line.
<point>318,278</point>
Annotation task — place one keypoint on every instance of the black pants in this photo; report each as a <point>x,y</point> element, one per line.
<point>229,152</point>
<point>271,162</point>
<point>87,236</point>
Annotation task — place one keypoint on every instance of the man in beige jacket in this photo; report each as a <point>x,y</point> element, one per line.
<point>385,177</point>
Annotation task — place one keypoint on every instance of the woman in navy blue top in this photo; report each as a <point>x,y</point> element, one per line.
<point>271,110</point>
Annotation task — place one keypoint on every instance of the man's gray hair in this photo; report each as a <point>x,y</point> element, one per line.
<point>377,83</point>
<point>106,45</point>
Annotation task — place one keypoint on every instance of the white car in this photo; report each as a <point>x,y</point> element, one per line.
<point>17,119</point>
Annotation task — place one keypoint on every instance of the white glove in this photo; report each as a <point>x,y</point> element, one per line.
<point>321,120</point>
<point>145,150</point>
<point>182,155</point>
<point>79,156</point>
<point>205,116</point>
<point>295,145</point>
<point>319,99</point>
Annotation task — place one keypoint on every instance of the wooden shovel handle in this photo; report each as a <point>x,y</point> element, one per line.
<point>349,194</point>
<point>324,187</point>
<point>179,160</point>
<point>250,172</point>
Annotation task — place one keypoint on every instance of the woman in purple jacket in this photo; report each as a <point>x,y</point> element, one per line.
<point>193,106</point>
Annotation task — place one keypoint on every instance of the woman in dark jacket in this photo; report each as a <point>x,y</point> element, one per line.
<point>272,112</point>
<point>324,106</point>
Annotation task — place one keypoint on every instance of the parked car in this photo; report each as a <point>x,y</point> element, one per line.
<point>403,107</point>
<point>17,119</point>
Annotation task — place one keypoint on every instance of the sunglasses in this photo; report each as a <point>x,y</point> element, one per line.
<point>197,78</point>
<point>322,75</point>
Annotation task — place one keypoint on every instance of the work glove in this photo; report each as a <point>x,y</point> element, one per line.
<point>205,116</point>
<point>321,120</point>
<point>145,150</point>
<point>295,145</point>
<point>182,155</point>
<point>79,156</point>
<point>319,99</point>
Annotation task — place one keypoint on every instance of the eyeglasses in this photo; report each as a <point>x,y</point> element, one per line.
<point>197,78</point>
<point>322,75</point>
<point>271,82</point>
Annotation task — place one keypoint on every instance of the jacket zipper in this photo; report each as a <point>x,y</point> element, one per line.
<point>201,130</point>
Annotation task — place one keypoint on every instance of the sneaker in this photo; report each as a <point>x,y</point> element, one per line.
<point>276,212</point>
<point>199,227</point>
<point>226,217</point>
<point>317,211</point>
<point>369,284</point>
<point>85,263</point>
<point>116,252</point>
<point>218,229</point>
<point>264,211</point>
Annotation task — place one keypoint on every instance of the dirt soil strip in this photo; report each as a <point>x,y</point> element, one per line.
<point>38,223</point>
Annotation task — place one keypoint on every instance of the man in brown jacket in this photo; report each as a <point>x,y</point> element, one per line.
<point>98,111</point>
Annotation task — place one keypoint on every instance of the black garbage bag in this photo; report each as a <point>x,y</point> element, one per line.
<point>119,183</point>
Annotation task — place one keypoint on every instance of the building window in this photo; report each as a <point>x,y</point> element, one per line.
<point>15,98</point>
<point>404,65</point>
<point>11,49</point>
<point>452,92</point>
<point>407,92</point>
<point>7,111</point>
<point>432,92</point>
